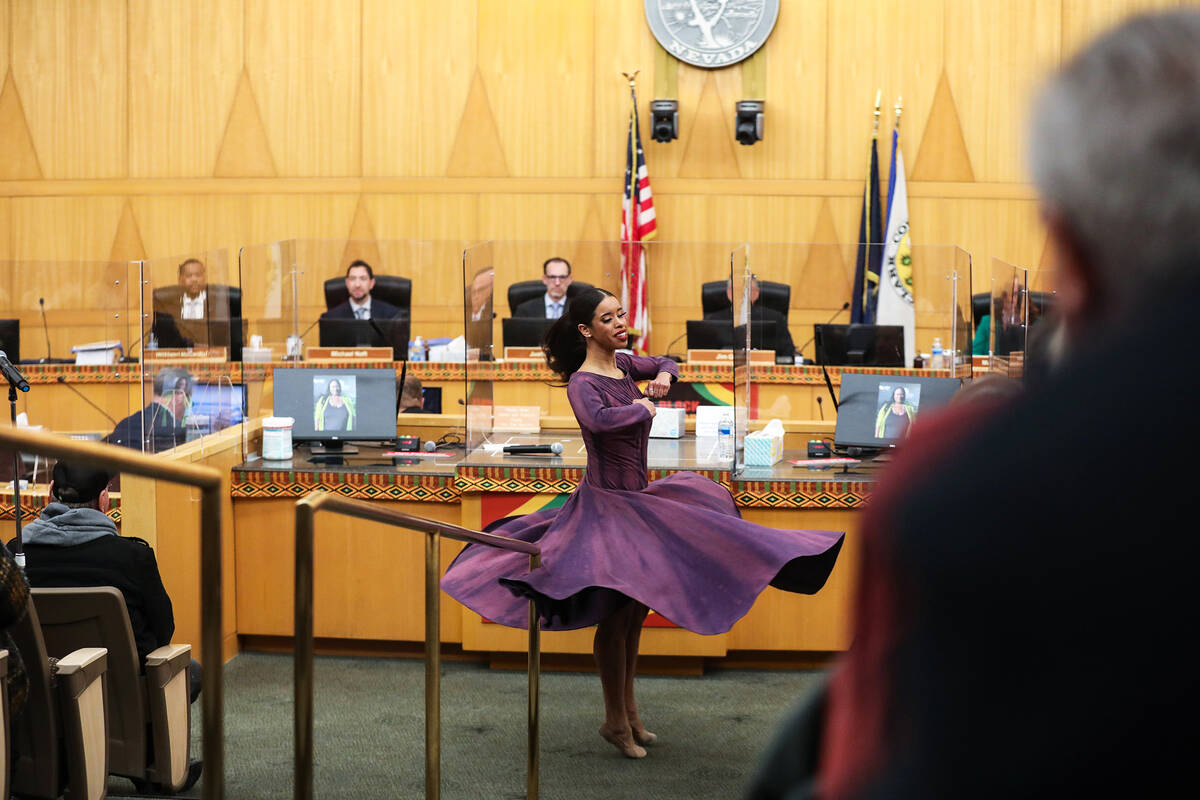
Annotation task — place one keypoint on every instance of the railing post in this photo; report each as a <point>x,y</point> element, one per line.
<point>303,656</point>
<point>433,667</point>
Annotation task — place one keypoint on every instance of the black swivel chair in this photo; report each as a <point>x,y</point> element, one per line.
<point>521,291</point>
<point>221,332</point>
<point>388,288</point>
<point>776,296</point>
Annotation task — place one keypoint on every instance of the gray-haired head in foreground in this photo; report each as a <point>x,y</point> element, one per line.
<point>1115,149</point>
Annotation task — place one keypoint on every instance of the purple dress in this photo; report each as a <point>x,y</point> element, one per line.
<point>677,545</point>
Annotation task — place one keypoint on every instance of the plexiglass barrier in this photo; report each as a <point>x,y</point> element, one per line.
<point>71,327</point>
<point>1008,318</point>
<point>478,279</point>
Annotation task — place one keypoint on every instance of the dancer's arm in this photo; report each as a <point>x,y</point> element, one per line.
<point>588,404</point>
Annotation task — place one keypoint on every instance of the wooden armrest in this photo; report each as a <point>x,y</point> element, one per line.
<point>3,663</point>
<point>167,654</point>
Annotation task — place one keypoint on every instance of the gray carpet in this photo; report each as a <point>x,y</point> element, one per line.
<point>369,731</point>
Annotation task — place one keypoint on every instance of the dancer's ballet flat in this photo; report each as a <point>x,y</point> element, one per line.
<point>644,737</point>
<point>624,742</point>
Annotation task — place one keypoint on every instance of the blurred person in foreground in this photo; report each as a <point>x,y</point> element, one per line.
<point>1023,603</point>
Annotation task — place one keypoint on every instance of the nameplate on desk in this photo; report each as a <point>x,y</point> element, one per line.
<point>517,419</point>
<point>204,355</point>
<point>726,356</point>
<point>348,354</point>
<point>524,354</point>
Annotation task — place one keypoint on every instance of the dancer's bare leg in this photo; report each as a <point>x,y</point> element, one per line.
<point>633,636</point>
<point>609,649</point>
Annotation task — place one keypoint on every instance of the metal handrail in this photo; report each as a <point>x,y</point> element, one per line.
<point>208,481</point>
<point>306,510</point>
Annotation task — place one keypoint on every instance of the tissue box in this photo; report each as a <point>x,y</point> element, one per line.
<point>763,448</point>
<point>667,423</point>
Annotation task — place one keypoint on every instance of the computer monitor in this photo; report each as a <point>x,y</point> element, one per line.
<point>10,339</point>
<point>214,407</point>
<point>332,405</point>
<point>859,345</point>
<point>878,410</point>
<point>391,333</point>
<point>524,331</point>
<point>719,334</point>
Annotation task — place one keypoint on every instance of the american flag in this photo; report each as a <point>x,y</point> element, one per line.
<point>637,225</point>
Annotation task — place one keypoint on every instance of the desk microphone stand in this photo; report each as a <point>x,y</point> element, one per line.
<point>18,548</point>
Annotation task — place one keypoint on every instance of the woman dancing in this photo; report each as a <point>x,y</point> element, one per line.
<point>621,545</point>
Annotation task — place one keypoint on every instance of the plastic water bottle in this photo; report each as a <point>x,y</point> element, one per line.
<point>725,437</point>
<point>936,360</point>
<point>416,349</point>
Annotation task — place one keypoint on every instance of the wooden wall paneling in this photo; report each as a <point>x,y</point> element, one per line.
<point>6,248</point>
<point>305,67</point>
<point>20,160</point>
<point>623,44</point>
<point>69,63</point>
<point>536,61</point>
<point>707,139</point>
<point>794,141</point>
<point>996,54</point>
<point>985,228</point>
<point>1083,20</point>
<point>893,47</point>
<point>63,229</point>
<point>418,60</point>
<point>5,34</point>
<point>184,63</point>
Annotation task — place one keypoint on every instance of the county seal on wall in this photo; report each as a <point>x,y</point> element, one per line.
<point>711,33</point>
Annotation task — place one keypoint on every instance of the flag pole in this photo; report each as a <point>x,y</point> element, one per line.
<point>899,109</point>
<point>878,105</point>
<point>631,191</point>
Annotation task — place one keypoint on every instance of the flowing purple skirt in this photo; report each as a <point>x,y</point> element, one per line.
<point>678,546</point>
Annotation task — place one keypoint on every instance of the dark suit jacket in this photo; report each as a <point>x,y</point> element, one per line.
<point>536,307</point>
<point>379,310</point>
<point>162,431</point>
<point>783,345</point>
<point>212,330</point>
<point>125,562</point>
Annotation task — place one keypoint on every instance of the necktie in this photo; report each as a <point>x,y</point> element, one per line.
<point>555,310</point>
<point>361,313</point>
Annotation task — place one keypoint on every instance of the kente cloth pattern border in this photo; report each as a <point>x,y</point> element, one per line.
<point>31,508</point>
<point>536,480</point>
<point>801,494</point>
<point>396,488</point>
<point>40,374</point>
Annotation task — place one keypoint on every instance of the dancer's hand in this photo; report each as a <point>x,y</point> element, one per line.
<point>659,386</point>
<point>641,401</point>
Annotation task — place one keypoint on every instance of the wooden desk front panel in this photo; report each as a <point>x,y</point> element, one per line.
<point>369,578</point>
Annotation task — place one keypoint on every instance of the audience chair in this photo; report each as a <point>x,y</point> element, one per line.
<point>388,288</point>
<point>521,291</point>
<point>61,732</point>
<point>776,296</point>
<point>151,706</point>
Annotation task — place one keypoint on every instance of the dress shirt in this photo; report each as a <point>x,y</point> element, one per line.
<point>363,311</point>
<point>193,307</point>
<point>554,310</point>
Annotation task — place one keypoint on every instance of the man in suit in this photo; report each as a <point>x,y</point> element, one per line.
<point>158,426</point>
<point>983,661</point>
<point>784,348</point>
<point>360,281</point>
<point>556,274</point>
<point>193,312</point>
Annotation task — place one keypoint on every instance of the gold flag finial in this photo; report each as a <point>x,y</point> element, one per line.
<point>878,102</point>
<point>631,77</point>
<point>899,109</point>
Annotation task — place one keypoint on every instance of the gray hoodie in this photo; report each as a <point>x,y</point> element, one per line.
<point>62,526</point>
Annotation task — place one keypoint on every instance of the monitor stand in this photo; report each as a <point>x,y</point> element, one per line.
<point>330,453</point>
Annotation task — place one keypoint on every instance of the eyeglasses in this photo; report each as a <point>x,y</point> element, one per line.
<point>557,277</point>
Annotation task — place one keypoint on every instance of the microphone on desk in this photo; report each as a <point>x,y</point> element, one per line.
<point>12,374</point>
<point>821,407</point>
<point>672,344</point>
<point>845,305</point>
<point>85,398</point>
<point>554,449</point>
